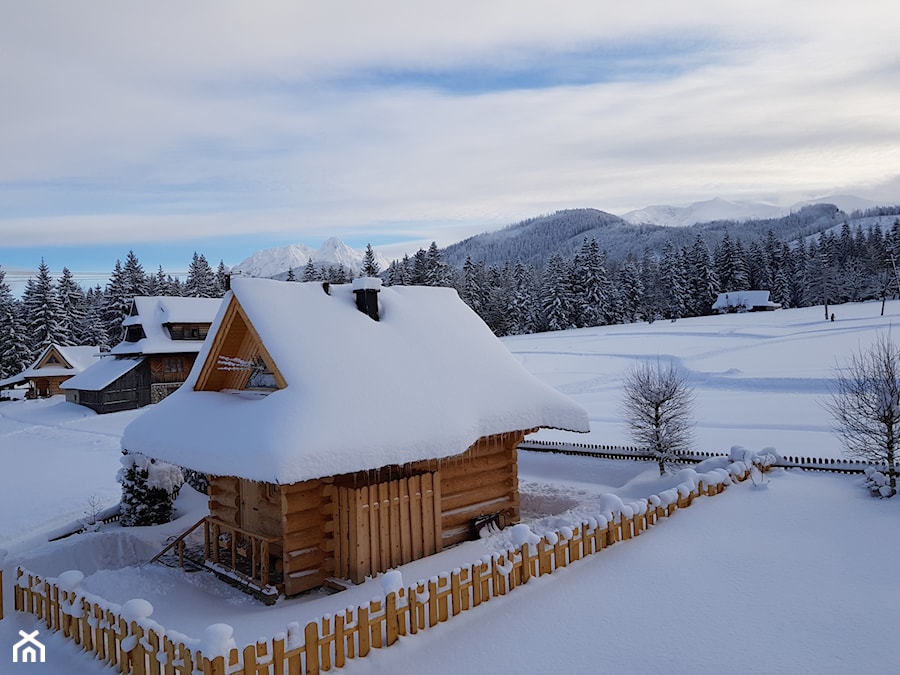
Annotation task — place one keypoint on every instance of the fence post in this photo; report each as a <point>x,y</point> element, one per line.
<point>1,593</point>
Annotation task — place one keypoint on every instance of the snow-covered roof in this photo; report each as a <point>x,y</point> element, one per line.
<point>153,313</point>
<point>106,371</point>
<point>424,382</point>
<point>77,358</point>
<point>744,299</point>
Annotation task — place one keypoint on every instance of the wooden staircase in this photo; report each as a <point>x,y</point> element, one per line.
<point>242,559</point>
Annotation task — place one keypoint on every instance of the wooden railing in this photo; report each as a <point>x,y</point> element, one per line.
<point>245,554</point>
<point>226,548</point>
<point>694,457</point>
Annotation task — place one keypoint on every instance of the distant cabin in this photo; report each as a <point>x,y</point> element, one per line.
<point>744,301</point>
<point>53,366</point>
<point>348,429</point>
<point>161,337</point>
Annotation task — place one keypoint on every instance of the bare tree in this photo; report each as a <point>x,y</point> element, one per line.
<point>865,404</point>
<point>658,407</point>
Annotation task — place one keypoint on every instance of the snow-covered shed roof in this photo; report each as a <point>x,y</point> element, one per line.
<point>748,299</point>
<point>425,381</point>
<point>74,360</point>
<point>103,373</point>
<point>154,313</point>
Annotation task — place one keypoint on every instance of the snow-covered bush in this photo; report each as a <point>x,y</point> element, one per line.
<point>878,483</point>
<point>149,488</point>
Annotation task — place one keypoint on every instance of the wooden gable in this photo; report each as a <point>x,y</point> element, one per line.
<point>236,342</point>
<point>52,358</point>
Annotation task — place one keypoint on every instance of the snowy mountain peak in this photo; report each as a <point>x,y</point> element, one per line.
<point>723,209</point>
<point>272,262</point>
<point>703,212</point>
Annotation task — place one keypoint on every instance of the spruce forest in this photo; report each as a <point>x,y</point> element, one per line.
<point>580,287</point>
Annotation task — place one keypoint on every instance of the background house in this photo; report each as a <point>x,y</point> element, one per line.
<point>161,337</point>
<point>744,301</point>
<point>347,430</point>
<point>53,366</point>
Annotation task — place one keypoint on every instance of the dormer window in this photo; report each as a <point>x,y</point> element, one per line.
<point>188,331</point>
<point>134,333</point>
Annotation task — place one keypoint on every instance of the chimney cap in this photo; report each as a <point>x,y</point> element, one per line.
<point>367,284</point>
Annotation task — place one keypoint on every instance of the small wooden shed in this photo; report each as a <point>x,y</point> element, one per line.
<point>347,430</point>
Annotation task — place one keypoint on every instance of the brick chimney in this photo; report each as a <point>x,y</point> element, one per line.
<point>366,291</point>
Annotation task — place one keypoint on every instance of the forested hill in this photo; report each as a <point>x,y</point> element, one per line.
<point>534,240</point>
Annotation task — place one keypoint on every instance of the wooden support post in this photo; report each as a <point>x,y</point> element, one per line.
<point>311,637</point>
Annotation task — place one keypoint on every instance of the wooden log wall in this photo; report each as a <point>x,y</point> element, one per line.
<point>308,523</point>
<point>482,481</point>
<point>387,524</point>
<point>225,499</point>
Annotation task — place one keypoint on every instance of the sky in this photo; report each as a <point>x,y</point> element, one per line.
<point>227,127</point>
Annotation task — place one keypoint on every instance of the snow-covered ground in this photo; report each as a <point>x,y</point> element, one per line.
<point>791,578</point>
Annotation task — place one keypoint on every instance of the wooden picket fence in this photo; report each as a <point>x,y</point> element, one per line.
<point>332,640</point>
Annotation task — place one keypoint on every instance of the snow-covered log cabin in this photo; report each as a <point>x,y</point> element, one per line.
<point>744,301</point>
<point>348,430</point>
<point>52,368</point>
<point>161,337</point>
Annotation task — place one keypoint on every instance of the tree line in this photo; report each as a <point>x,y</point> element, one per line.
<point>60,311</point>
<point>585,289</point>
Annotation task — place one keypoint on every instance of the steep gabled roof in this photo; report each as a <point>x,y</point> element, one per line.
<point>424,382</point>
<point>70,360</point>
<point>155,313</point>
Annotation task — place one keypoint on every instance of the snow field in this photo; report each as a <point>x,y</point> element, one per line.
<point>790,577</point>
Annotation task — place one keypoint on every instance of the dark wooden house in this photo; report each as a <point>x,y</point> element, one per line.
<point>161,337</point>
<point>348,430</point>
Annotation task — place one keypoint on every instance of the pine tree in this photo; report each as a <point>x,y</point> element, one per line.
<point>629,292</point>
<point>521,318</point>
<point>71,300</point>
<point>703,282</point>
<point>290,275</point>
<point>201,281</point>
<point>15,355</point>
<point>437,272</point>
<point>134,281</point>
<point>92,330</point>
<point>222,279</point>
<point>370,267</point>
<point>592,290</point>
<point>673,282</point>
<point>45,320</point>
<point>149,488</point>
<point>556,295</point>
<point>117,304</point>
<point>310,273</point>
<point>473,291</point>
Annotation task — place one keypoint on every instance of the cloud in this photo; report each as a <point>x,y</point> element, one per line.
<point>174,120</point>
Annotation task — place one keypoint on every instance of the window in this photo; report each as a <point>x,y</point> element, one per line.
<point>261,377</point>
<point>173,364</point>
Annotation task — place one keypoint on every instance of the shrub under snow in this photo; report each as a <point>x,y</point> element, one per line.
<point>149,488</point>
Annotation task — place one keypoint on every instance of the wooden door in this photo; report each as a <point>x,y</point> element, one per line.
<point>384,525</point>
<point>260,508</point>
